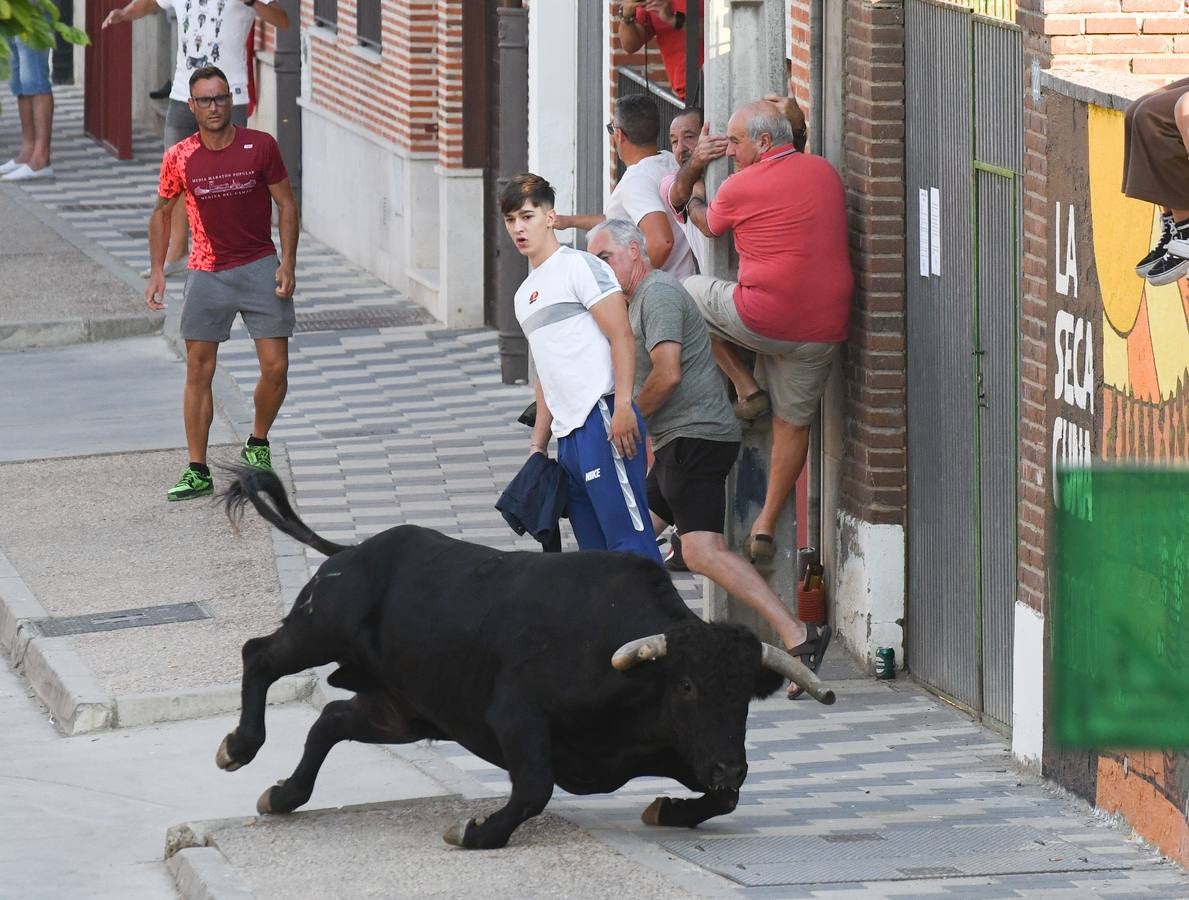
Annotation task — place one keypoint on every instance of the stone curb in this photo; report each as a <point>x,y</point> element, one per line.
<point>63,332</point>
<point>203,873</point>
<point>77,702</point>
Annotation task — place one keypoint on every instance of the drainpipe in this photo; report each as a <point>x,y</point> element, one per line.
<point>511,153</point>
<point>287,66</point>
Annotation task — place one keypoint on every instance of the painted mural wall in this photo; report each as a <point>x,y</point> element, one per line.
<point>1119,365</point>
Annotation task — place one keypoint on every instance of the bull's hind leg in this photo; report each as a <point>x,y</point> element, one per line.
<point>367,718</point>
<point>689,813</point>
<point>524,739</point>
<point>287,650</point>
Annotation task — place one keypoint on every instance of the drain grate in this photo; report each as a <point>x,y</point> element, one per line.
<point>169,614</point>
<point>364,317</point>
<point>896,853</point>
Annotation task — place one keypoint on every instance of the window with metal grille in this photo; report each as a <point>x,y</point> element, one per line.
<point>368,23</point>
<point>326,14</point>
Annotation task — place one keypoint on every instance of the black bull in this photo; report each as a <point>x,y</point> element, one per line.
<point>526,659</point>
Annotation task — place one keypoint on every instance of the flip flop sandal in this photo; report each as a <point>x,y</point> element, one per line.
<point>810,652</point>
<point>759,547</point>
<point>753,406</point>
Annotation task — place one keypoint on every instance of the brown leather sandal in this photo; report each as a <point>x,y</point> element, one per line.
<point>759,547</point>
<point>753,406</point>
<point>810,652</point>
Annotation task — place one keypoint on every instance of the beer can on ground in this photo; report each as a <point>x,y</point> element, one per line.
<point>885,663</point>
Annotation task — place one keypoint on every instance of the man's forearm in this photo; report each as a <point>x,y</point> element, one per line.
<point>655,392</point>
<point>542,427</point>
<point>623,365</point>
<point>289,228</point>
<point>159,235</point>
<point>696,210</point>
<point>683,185</point>
<point>583,223</point>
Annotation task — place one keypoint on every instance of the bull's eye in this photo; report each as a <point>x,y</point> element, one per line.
<point>686,687</point>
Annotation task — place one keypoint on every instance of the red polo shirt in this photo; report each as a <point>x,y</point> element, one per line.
<point>788,215</point>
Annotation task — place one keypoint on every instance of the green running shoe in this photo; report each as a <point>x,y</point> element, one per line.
<point>191,484</point>
<point>257,457</point>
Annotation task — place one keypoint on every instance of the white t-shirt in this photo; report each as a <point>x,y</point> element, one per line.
<point>212,33</point>
<point>570,351</point>
<point>638,194</point>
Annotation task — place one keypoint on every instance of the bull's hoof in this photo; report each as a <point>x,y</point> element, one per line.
<point>223,758</point>
<point>277,801</point>
<point>264,804</point>
<point>655,811</point>
<point>456,834</point>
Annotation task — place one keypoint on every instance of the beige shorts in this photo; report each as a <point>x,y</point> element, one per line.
<point>794,373</point>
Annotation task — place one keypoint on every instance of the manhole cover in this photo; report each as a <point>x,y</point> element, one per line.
<point>899,853</point>
<point>169,614</point>
<point>363,317</point>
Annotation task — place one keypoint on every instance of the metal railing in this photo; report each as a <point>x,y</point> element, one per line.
<point>326,14</point>
<point>629,81</point>
<point>368,23</point>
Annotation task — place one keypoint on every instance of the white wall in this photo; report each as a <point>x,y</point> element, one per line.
<point>369,226</point>
<point>552,93</point>
<point>1028,655</point>
<point>868,591</point>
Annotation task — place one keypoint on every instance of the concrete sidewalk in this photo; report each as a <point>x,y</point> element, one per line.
<point>392,419</point>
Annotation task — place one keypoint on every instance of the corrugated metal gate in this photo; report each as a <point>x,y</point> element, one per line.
<point>964,152</point>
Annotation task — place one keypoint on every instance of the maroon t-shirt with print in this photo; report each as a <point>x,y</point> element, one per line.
<point>227,197</point>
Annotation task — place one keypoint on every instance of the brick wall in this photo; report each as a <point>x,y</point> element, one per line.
<point>873,486</point>
<point>450,84</point>
<point>799,46</point>
<point>1033,484</point>
<point>1144,37</point>
<point>410,93</point>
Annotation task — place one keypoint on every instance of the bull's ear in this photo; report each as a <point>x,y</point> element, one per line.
<point>767,682</point>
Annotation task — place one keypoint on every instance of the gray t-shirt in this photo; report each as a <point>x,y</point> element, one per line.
<point>662,310</point>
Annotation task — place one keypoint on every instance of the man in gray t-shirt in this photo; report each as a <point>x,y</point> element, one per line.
<point>695,435</point>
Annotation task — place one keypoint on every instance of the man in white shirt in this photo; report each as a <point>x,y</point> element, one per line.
<point>637,197</point>
<point>575,318</point>
<point>210,33</point>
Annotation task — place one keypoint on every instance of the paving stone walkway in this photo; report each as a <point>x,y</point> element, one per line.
<point>890,792</point>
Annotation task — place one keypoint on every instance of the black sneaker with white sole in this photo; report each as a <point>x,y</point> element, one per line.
<point>1175,262</point>
<point>1168,231</point>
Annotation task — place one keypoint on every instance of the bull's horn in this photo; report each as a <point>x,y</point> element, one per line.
<point>647,648</point>
<point>796,672</point>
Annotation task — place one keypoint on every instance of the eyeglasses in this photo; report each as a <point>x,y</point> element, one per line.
<point>611,126</point>
<point>218,99</point>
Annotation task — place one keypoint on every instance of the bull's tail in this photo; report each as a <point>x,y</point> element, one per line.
<point>263,489</point>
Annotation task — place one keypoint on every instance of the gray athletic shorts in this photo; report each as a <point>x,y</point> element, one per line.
<point>180,122</point>
<point>212,300</point>
<point>794,373</point>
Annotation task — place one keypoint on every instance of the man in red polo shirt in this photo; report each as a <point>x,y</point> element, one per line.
<point>792,302</point>
<point>230,177</point>
<point>639,21</point>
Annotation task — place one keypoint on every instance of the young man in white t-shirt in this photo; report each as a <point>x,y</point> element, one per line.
<point>575,318</point>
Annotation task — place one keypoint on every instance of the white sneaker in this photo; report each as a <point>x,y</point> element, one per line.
<point>10,166</point>
<point>24,173</point>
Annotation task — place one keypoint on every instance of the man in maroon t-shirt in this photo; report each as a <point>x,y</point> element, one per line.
<point>792,302</point>
<point>230,176</point>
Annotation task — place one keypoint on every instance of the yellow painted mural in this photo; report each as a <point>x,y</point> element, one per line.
<point>1145,417</point>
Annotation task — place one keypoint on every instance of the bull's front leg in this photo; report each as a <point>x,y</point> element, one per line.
<point>689,813</point>
<point>525,741</point>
